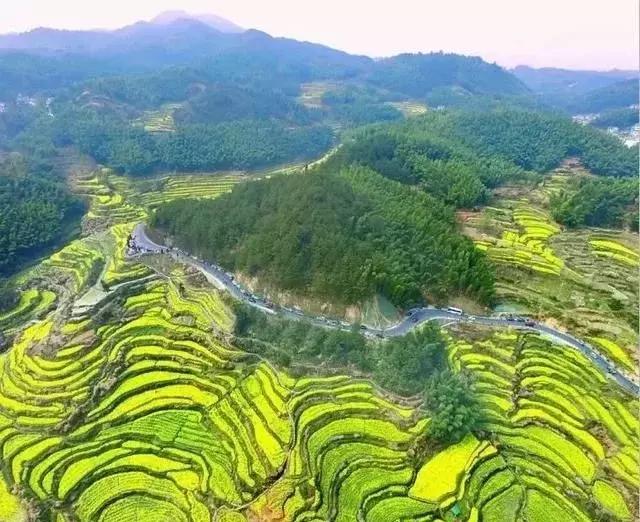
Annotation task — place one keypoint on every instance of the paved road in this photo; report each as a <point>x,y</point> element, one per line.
<point>142,244</point>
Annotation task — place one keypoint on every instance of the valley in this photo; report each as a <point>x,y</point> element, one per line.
<point>153,368</point>
<point>246,278</point>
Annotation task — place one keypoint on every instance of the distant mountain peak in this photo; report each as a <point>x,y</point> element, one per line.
<point>217,22</point>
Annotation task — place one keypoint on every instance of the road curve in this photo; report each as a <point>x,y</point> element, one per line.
<point>140,244</point>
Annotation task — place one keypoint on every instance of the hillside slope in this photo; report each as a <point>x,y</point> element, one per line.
<point>339,235</point>
<point>139,405</point>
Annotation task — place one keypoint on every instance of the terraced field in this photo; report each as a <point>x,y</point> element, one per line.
<point>109,197</point>
<point>584,280</point>
<point>311,93</point>
<point>603,246</point>
<point>79,259</point>
<point>410,108</point>
<point>524,242</point>
<point>160,120</point>
<point>32,303</point>
<point>188,186</point>
<point>156,416</point>
<point>546,408</point>
<point>128,401</point>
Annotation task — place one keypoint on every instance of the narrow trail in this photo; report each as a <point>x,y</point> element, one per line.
<point>141,244</point>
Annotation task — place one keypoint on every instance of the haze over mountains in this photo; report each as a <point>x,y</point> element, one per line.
<point>217,22</point>
<point>214,45</point>
<point>49,39</point>
<point>44,38</point>
<point>220,249</point>
<point>65,39</point>
<point>220,51</point>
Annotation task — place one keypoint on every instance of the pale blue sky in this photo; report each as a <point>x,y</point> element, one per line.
<point>597,34</point>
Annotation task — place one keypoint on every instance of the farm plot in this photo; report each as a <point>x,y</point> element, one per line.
<point>550,417</point>
<point>311,93</point>
<point>183,186</point>
<point>116,199</point>
<point>80,259</point>
<point>525,246</point>
<point>603,246</point>
<point>160,120</point>
<point>410,108</point>
<point>109,197</point>
<point>146,411</point>
<point>147,431</point>
<point>157,417</point>
<point>119,269</point>
<point>585,280</point>
<point>33,303</point>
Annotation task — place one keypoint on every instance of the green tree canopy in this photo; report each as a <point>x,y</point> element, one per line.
<point>450,401</point>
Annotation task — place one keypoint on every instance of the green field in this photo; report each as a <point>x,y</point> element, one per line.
<point>583,280</point>
<point>138,405</point>
<point>158,416</point>
<point>160,120</point>
<point>186,186</point>
<point>311,93</point>
<point>410,108</point>
<point>546,408</point>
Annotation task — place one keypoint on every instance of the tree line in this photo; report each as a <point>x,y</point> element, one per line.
<point>114,141</point>
<point>538,141</point>
<point>422,156</point>
<point>458,156</point>
<point>414,364</point>
<point>620,118</point>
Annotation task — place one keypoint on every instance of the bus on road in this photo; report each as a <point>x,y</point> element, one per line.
<point>453,310</point>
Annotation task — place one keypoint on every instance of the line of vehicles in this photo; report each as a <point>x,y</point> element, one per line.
<point>228,279</point>
<point>141,245</point>
<point>526,320</point>
<point>264,303</point>
<point>268,306</point>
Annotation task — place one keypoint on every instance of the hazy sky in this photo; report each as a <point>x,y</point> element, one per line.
<point>578,34</point>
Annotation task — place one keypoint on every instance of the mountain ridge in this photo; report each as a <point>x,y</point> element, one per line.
<point>217,22</point>
<point>552,80</point>
<point>147,46</point>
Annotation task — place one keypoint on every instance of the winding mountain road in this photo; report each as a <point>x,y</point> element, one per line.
<point>142,244</point>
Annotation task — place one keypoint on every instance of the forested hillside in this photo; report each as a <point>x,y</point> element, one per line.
<point>598,203</point>
<point>237,144</point>
<point>384,305</point>
<point>35,211</point>
<point>553,80</point>
<point>620,118</point>
<point>336,234</point>
<point>458,156</point>
<point>424,153</point>
<point>539,141</point>
<point>618,95</point>
<point>354,105</point>
<point>186,97</point>
<point>579,92</point>
<point>236,109</point>
<point>418,74</point>
<point>366,232</point>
